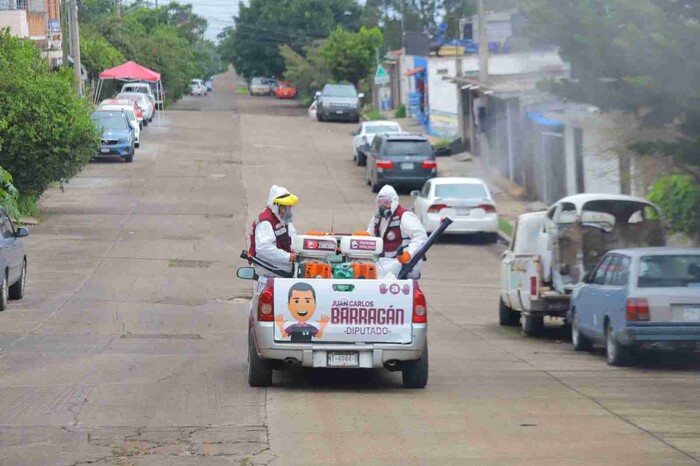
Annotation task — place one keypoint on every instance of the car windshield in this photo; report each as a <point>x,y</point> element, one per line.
<point>461,191</point>
<point>132,95</point>
<point>142,89</point>
<point>110,122</point>
<point>127,111</point>
<point>407,147</point>
<point>376,129</point>
<point>258,81</point>
<point>669,271</point>
<point>339,90</point>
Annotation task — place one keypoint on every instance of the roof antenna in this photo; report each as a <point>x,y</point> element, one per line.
<point>333,223</point>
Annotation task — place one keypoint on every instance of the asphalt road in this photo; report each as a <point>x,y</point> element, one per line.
<point>130,345</point>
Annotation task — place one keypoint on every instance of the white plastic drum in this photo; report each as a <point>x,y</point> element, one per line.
<point>361,247</point>
<point>317,247</point>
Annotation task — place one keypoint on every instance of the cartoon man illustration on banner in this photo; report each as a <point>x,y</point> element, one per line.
<point>301,302</point>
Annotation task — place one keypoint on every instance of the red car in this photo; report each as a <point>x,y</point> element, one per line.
<point>284,90</point>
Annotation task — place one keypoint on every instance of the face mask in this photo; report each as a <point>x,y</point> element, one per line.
<point>384,211</point>
<point>286,214</point>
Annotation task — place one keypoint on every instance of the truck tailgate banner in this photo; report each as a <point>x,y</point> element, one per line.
<point>329,311</point>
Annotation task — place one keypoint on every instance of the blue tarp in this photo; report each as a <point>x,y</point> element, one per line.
<point>543,120</point>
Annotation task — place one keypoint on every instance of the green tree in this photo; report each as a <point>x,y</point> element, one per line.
<point>262,26</point>
<point>48,135</point>
<point>308,72</point>
<point>350,56</point>
<point>97,54</point>
<point>639,56</point>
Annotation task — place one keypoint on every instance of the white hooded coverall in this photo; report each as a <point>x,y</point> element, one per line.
<point>265,240</point>
<point>412,230</point>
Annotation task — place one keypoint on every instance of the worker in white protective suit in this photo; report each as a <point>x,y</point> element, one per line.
<point>271,238</point>
<point>399,228</point>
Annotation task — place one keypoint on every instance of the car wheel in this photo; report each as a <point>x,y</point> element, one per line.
<point>3,292</point>
<point>145,122</point>
<point>579,341</point>
<point>617,354</point>
<point>532,325</point>
<point>259,370</point>
<point>415,373</point>
<point>367,178</point>
<point>375,187</point>
<point>319,117</point>
<point>507,317</point>
<point>137,145</point>
<point>16,291</point>
<point>361,159</point>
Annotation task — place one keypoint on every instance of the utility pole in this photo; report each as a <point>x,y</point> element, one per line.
<point>117,8</point>
<point>76,45</point>
<point>483,45</point>
<point>63,12</point>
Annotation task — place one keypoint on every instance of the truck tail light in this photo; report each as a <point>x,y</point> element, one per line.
<point>420,306</point>
<point>637,310</point>
<point>266,303</point>
<point>533,286</point>
<point>385,164</point>
<point>429,164</point>
<point>488,208</point>
<point>434,209</point>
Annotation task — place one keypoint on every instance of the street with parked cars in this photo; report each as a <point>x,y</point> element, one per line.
<point>113,356</point>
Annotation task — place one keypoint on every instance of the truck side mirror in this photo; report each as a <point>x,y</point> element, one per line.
<point>415,193</point>
<point>318,94</point>
<point>586,277</point>
<point>246,273</point>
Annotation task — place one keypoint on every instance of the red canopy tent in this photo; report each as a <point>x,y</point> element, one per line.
<point>132,71</point>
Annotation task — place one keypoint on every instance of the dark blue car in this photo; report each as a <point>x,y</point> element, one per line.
<point>118,137</point>
<point>13,260</point>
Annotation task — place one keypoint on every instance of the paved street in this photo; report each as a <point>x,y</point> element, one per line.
<point>130,346</point>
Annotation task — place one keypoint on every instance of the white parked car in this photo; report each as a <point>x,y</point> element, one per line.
<point>312,109</point>
<point>129,112</point>
<point>197,87</point>
<point>467,201</point>
<point>141,88</point>
<point>143,102</point>
<point>363,137</point>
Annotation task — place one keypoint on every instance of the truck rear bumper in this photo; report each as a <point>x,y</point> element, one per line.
<point>371,355</point>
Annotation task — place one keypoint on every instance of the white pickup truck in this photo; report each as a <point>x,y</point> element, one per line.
<point>338,308</point>
<point>551,252</point>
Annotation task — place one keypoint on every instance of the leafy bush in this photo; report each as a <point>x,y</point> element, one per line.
<point>373,115</point>
<point>48,134</point>
<point>8,194</point>
<point>678,197</point>
<point>400,111</point>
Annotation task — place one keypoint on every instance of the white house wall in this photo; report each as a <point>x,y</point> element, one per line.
<point>16,21</point>
<point>443,98</point>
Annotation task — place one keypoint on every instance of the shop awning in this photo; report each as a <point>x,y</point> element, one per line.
<point>415,71</point>
<point>543,120</point>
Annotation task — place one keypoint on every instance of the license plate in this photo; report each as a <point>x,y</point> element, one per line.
<point>408,166</point>
<point>691,314</point>
<point>104,151</point>
<point>463,211</point>
<point>339,112</point>
<point>346,359</point>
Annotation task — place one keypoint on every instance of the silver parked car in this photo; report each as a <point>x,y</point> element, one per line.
<point>634,299</point>
<point>13,260</point>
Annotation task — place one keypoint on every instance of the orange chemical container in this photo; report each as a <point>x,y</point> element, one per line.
<point>317,270</point>
<point>366,271</point>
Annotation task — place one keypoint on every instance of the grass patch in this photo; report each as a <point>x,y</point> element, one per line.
<point>400,111</point>
<point>242,90</point>
<point>506,227</point>
<point>373,115</point>
<point>28,206</point>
